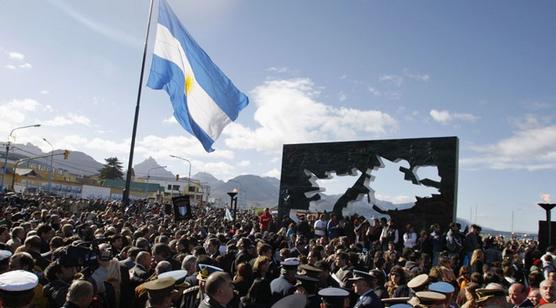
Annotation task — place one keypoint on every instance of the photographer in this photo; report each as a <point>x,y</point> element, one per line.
<point>60,275</point>
<point>107,277</point>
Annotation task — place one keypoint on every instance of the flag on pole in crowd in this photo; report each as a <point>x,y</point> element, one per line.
<point>228,215</point>
<point>203,98</point>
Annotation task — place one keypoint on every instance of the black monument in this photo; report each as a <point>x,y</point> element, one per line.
<point>300,162</point>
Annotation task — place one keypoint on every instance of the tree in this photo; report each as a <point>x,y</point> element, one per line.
<point>112,169</point>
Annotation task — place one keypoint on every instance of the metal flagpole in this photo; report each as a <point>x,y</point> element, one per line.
<point>125,197</point>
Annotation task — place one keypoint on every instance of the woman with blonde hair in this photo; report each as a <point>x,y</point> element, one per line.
<point>259,294</point>
<point>477,261</point>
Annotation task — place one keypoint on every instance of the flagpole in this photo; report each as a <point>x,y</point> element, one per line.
<point>125,197</point>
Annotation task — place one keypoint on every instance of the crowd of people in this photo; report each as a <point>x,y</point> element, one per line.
<point>58,252</point>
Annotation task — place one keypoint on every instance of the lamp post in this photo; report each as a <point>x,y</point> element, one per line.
<point>5,167</point>
<point>548,207</point>
<point>239,190</point>
<point>233,202</point>
<point>51,167</point>
<point>189,175</point>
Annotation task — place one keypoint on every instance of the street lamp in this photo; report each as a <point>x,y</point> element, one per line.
<point>51,160</point>
<point>5,167</point>
<point>189,176</point>
<point>548,207</point>
<point>233,202</point>
<point>238,189</point>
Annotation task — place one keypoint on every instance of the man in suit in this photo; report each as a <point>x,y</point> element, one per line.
<point>141,271</point>
<point>362,285</point>
<point>285,284</point>
<point>518,295</point>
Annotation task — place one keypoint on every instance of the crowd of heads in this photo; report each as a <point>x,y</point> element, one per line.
<point>97,253</point>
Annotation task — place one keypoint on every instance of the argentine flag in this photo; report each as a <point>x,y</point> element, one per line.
<point>203,98</point>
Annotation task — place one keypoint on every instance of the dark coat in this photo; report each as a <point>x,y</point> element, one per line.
<point>369,300</point>
<point>56,292</point>
<point>210,303</point>
<point>259,294</point>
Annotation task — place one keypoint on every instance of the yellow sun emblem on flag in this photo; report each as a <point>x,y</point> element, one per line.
<point>188,83</point>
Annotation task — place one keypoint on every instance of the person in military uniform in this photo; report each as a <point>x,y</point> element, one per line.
<point>334,298</point>
<point>284,285</point>
<point>220,291</point>
<point>362,285</point>
<point>193,296</point>
<point>307,286</point>
<point>160,292</point>
<point>17,288</point>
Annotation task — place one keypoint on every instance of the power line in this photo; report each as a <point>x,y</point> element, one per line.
<point>66,164</point>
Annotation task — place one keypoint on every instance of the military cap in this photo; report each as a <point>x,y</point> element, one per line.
<point>159,284</point>
<point>401,305</point>
<point>395,300</point>
<point>178,275</point>
<point>290,262</point>
<point>490,291</point>
<point>291,301</point>
<point>309,270</point>
<point>205,270</point>
<point>442,287</point>
<point>430,297</point>
<point>305,280</point>
<point>418,282</point>
<point>333,296</point>
<point>361,275</point>
<point>17,281</point>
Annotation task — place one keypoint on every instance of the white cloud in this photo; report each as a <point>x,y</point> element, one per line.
<point>220,170</point>
<point>170,120</point>
<point>528,121</point>
<point>10,67</point>
<point>395,80</point>
<point>279,70</point>
<point>25,65</point>
<point>244,163</point>
<point>15,112</point>
<point>288,112</point>
<point>374,91</point>
<point>115,35</point>
<point>416,76</point>
<point>16,56</point>
<point>44,92</point>
<point>445,116</point>
<point>275,173</point>
<point>528,149</point>
<point>69,119</point>
<point>342,96</point>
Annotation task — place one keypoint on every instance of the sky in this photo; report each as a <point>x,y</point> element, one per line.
<point>314,71</point>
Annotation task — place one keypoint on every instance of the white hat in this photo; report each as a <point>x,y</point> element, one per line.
<point>333,292</point>
<point>178,275</point>
<point>442,287</point>
<point>5,254</point>
<point>18,281</point>
<point>290,262</point>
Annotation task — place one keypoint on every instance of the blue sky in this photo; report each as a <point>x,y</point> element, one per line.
<point>314,71</point>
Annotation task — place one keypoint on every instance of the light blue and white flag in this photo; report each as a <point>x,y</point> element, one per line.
<point>203,98</point>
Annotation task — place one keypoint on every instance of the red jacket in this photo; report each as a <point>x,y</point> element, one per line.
<point>264,220</point>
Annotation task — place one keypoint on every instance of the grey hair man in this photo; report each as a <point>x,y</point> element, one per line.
<point>80,294</point>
